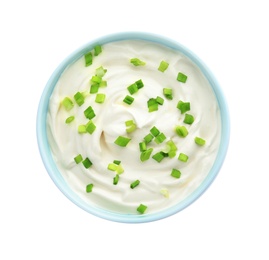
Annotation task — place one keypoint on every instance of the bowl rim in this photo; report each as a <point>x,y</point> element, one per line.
<point>51,167</point>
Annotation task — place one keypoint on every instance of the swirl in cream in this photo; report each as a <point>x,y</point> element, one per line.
<point>66,142</point>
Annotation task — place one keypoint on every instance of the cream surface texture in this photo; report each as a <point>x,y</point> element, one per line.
<point>157,190</point>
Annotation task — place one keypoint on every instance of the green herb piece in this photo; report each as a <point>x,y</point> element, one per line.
<point>142,146</point>
<point>117,162</point>
<point>79,98</point>
<point>100,98</point>
<point>89,188</point>
<point>90,127</point>
<point>172,149</point>
<point>131,126</point>
<point>132,88</point>
<point>97,50</point>
<point>128,100</point>
<point>129,122</point>
<point>163,66</point>
<point>103,83</point>
<point>159,100</point>
<point>78,159</point>
<point>183,106</point>
<point>137,62</point>
<point>181,131</point>
<point>183,157</point>
<point>154,131</point>
<point>100,72</point>
<point>148,138</point>
<point>134,184</point>
<point>89,113</point>
<point>181,77</point>
<point>172,154</point>
<point>88,59</point>
<point>116,179</point>
<point>152,105</point>
<point>158,156</point>
<point>199,141</point>
<point>87,163</point>
<point>145,155</point>
<point>82,129</point>
<point>69,119</point>
<point>96,79</point>
<point>112,167</point>
<point>94,88</point>
<point>160,138</point>
<point>142,208</point>
<point>168,93</point>
<point>67,103</point>
<point>176,173</point>
<point>139,84</point>
<point>122,141</point>
<point>120,169</point>
<point>165,192</point>
<point>189,119</point>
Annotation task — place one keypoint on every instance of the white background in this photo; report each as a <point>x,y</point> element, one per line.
<point>230,221</point>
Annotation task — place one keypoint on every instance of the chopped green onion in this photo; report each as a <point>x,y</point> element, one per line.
<point>182,77</point>
<point>129,122</point>
<point>100,72</point>
<point>69,119</point>
<point>183,106</point>
<point>142,208</point>
<point>116,179</point>
<point>142,146</point>
<point>89,113</point>
<point>134,184</point>
<point>172,154</point>
<point>181,131</point>
<point>148,138</point>
<point>159,100</point>
<point>82,129</point>
<point>154,131</point>
<point>132,88</point>
<point>165,192</point>
<point>96,79</point>
<point>117,162</point>
<point>112,167</point>
<point>87,163</point>
<point>168,93</point>
<point>139,84</point>
<point>103,83</point>
<point>163,66</point>
<point>122,141</point>
<point>158,156</point>
<point>128,100</point>
<point>78,159</point>
<point>120,169</point>
<point>88,59</point>
<point>67,103</point>
<point>131,126</point>
<point>160,138</point>
<point>171,145</point>
<point>89,188</point>
<point>137,62</point>
<point>183,157</point>
<point>145,155</point>
<point>100,98</point>
<point>189,119</point>
<point>79,98</point>
<point>94,88</point>
<point>90,127</point>
<point>199,141</point>
<point>176,173</point>
<point>97,50</point>
<point>152,105</point>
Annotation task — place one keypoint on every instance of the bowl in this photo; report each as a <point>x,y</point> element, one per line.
<point>51,167</point>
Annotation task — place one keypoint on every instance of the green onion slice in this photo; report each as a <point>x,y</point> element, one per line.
<point>183,157</point>
<point>87,163</point>
<point>82,129</point>
<point>94,88</point>
<point>159,156</point>
<point>145,155</point>
<point>67,103</point>
<point>181,77</point>
<point>160,138</point>
<point>128,100</point>
<point>137,62</point>
<point>78,159</point>
<point>89,113</point>
<point>148,138</point>
<point>97,50</point>
<point>116,179</point>
<point>183,106</point>
<point>189,119</point>
<point>90,127</point>
<point>100,98</point>
<point>142,208</point>
<point>89,188</point>
<point>168,93</point>
<point>88,59</point>
<point>100,72</point>
<point>163,66</point>
<point>142,146</point>
<point>159,100</point>
<point>200,141</point>
<point>139,83</point>
<point>132,88</point>
<point>79,98</point>
<point>69,119</point>
<point>134,184</point>
<point>181,131</point>
<point>154,131</point>
<point>122,141</point>
<point>176,173</point>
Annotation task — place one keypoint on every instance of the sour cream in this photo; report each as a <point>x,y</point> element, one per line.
<point>66,142</point>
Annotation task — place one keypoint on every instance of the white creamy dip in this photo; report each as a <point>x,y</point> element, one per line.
<point>66,142</point>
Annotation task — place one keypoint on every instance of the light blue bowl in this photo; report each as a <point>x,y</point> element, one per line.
<point>56,176</point>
